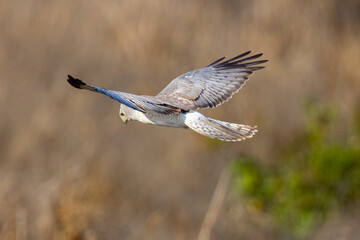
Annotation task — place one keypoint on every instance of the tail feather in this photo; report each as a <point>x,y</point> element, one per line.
<point>212,128</point>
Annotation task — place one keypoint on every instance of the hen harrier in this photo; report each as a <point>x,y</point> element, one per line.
<point>175,105</point>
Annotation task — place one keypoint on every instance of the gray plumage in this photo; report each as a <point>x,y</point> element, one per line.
<point>175,105</point>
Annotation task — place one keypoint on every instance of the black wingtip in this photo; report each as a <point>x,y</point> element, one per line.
<point>75,82</point>
<point>241,60</point>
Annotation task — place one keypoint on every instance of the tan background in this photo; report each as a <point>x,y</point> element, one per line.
<point>69,169</point>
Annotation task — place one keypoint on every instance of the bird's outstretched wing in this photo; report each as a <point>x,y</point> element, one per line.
<point>136,102</point>
<point>212,85</point>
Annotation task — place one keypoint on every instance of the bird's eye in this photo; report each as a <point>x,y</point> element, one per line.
<point>122,114</point>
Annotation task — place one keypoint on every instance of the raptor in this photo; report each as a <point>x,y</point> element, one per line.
<point>176,104</point>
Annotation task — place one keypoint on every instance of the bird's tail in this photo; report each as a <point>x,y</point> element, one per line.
<point>212,128</point>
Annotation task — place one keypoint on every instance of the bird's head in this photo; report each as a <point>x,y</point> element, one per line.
<point>122,113</point>
<point>127,114</point>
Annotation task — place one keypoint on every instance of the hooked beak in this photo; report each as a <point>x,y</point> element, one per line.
<point>124,119</point>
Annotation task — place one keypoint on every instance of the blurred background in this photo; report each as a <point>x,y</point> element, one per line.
<point>69,169</point>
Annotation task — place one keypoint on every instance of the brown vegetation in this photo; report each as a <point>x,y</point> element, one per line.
<point>69,169</point>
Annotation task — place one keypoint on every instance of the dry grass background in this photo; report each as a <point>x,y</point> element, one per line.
<point>70,170</point>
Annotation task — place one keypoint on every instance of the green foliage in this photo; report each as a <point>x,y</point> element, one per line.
<point>312,176</point>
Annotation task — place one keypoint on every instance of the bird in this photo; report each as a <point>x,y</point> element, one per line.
<point>177,104</point>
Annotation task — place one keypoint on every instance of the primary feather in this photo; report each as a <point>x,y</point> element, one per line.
<point>212,85</point>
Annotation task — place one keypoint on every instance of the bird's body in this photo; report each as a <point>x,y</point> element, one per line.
<point>176,104</point>
<point>154,118</point>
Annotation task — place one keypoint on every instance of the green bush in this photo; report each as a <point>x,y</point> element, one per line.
<point>312,176</point>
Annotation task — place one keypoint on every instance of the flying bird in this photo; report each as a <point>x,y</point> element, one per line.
<point>176,104</point>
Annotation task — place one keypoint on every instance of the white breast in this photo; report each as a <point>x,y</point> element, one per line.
<point>168,120</point>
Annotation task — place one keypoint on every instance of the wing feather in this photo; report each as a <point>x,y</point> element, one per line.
<point>136,102</point>
<point>202,88</point>
<point>212,85</point>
